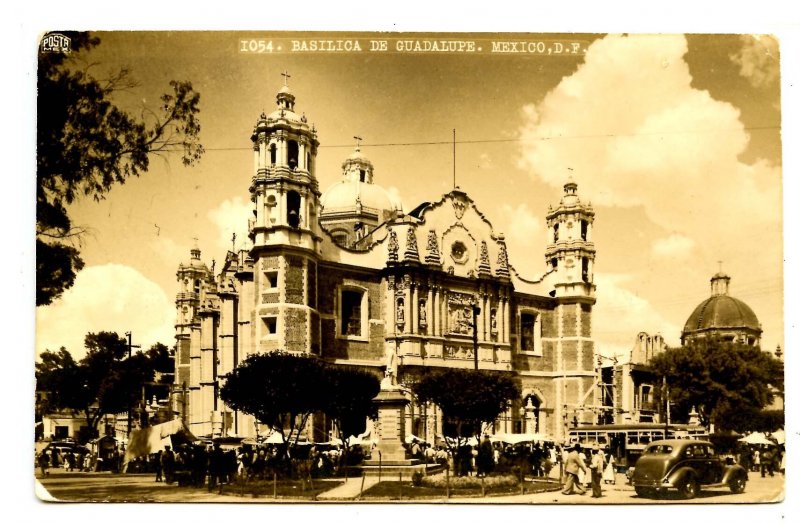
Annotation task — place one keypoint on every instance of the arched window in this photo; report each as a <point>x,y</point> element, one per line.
<point>351,319</point>
<point>584,229</point>
<point>272,154</point>
<point>362,175</point>
<point>293,150</point>
<point>293,209</point>
<point>555,233</point>
<point>585,269</point>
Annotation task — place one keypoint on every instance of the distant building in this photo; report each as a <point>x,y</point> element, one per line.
<point>627,383</point>
<point>349,277</point>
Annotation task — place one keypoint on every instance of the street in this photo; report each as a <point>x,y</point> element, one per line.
<point>102,486</point>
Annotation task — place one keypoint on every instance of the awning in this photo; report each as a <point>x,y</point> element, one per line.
<point>779,436</point>
<point>150,440</point>
<point>514,439</point>
<point>756,438</point>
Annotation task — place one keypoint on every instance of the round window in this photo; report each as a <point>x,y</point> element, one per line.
<point>458,251</point>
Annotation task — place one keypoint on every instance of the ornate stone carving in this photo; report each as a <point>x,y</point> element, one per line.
<point>484,268</point>
<point>393,246</point>
<point>459,311</point>
<point>433,256</point>
<point>502,261</point>
<point>459,205</point>
<point>411,254</point>
<point>400,312</point>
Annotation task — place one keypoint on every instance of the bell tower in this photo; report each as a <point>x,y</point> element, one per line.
<point>570,250</point>
<point>284,228</point>
<point>570,254</point>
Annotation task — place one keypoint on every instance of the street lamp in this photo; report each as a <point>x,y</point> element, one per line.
<point>475,311</point>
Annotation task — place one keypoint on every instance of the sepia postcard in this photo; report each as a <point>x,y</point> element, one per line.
<point>393,267</point>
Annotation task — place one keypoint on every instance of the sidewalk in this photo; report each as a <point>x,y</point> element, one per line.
<point>349,490</point>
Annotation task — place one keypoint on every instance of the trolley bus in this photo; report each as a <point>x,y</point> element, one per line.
<point>626,442</point>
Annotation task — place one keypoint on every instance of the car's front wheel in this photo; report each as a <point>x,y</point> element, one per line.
<point>689,488</point>
<point>737,484</point>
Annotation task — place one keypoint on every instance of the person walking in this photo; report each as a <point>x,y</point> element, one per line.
<point>44,462</point>
<point>766,462</point>
<point>158,467</point>
<point>596,466</point>
<point>572,465</point>
<point>168,464</point>
<point>216,468</point>
<point>610,473</point>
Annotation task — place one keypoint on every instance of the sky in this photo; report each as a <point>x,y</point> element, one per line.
<point>676,141</point>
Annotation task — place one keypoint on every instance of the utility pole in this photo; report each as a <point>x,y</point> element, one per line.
<point>665,392</point>
<point>475,311</point>
<point>130,353</point>
<point>454,158</point>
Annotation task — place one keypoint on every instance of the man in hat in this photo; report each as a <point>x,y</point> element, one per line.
<point>572,465</point>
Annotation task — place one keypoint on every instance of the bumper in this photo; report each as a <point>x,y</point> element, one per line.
<point>653,484</point>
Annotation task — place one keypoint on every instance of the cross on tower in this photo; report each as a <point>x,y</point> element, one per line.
<point>233,242</point>
<point>720,265</point>
<point>358,141</point>
<point>286,77</point>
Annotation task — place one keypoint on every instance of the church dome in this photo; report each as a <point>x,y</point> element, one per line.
<point>356,188</point>
<point>722,315</point>
<point>721,312</point>
<point>347,194</point>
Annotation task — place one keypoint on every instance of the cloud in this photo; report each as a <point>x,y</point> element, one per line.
<point>620,314</point>
<point>525,234</point>
<point>169,250</point>
<point>675,246</point>
<point>485,161</point>
<point>231,216</point>
<point>758,59</point>
<point>108,297</point>
<point>635,132</point>
<point>394,193</point>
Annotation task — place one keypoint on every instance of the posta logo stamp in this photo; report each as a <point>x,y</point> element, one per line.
<point>56,43</point>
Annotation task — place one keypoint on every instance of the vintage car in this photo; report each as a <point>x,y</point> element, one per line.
<point>685,465</point>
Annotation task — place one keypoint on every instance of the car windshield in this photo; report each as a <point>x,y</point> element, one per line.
<point>659,449</point>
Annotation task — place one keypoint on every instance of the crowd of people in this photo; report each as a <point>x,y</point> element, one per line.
<point>764,459</point>
<point>74,461</point>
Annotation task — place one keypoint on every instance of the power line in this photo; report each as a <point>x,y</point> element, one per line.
<point>512,140</point>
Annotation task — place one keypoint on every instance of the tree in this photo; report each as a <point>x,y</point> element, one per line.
<point>86,144</point>
<point>715,376</point>
<point>105,381</point>
<point>161,357</point>
<point>347,399</point>
<point>468,398</point>
<point>347,396</point>
<point>279,389</point>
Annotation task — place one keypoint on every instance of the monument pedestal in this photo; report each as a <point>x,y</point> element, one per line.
<point>390,454</point>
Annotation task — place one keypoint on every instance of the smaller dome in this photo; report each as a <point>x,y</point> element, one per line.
<point>285,90</point>
<point>285,114</point>
<point>347,194</point>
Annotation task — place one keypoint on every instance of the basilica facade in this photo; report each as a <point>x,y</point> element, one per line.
<point>350,277</point>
